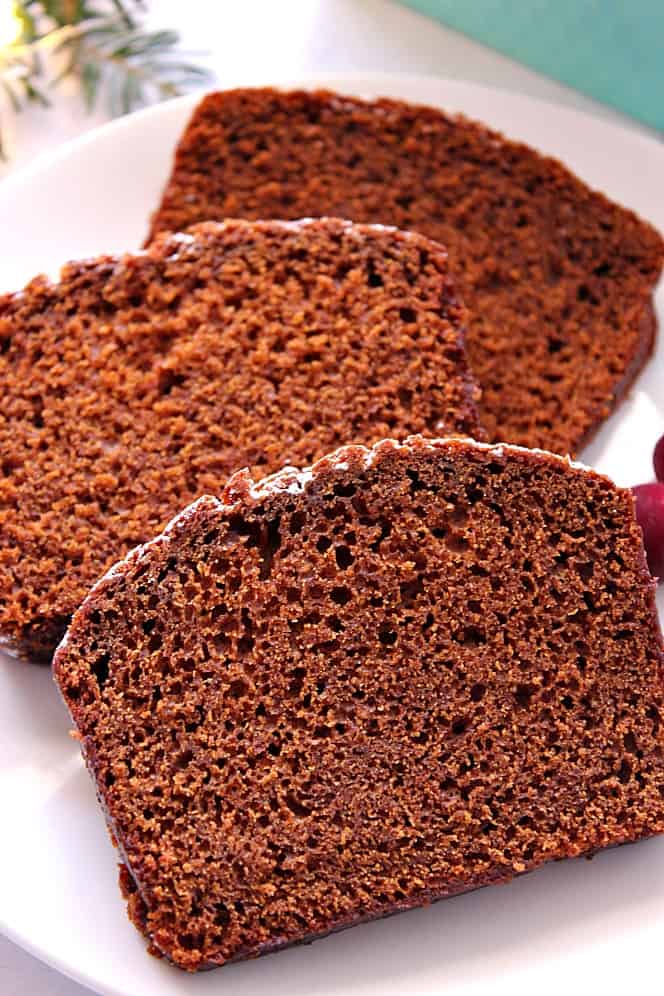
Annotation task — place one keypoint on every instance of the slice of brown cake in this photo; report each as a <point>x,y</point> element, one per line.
<point>558,280</point>
<point>402,674</point>
<point>134,385</point>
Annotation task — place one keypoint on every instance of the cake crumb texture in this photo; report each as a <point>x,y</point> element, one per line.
<point>558,279</point>
<point>135,384</point>
<point>327,697</point>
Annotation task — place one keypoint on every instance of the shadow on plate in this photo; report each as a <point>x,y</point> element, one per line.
<point>562,908</point>
<point>32,715</point>
<point>477,935</point>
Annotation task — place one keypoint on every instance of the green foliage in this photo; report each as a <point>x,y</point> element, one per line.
<point>102,45</point>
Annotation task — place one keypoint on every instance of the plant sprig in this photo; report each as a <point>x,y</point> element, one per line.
<point>102,46</point>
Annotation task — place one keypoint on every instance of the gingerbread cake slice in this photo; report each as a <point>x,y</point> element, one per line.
<point>406,672</point>
<point>557,278</point>
<point>136,384</point>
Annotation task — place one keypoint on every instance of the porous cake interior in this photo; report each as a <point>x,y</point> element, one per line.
<point>557,279</point>
<point>135,385</point>
<point>435,667</point>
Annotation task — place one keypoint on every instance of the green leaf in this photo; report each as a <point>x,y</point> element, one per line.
<point>96,29</point>
<point>65,12</point>
<point>28,31</point>
<point>130,94</point>
<point>90,77</point>
<point>138,42</point>
<point>34,94</point>
<point>185,68</point>
<point>11,95</point>
<point>103,45</point>
<point>124,13</point>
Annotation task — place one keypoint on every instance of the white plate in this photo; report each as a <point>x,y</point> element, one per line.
<point>576,925</point>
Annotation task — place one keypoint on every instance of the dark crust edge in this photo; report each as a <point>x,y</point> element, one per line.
<point>137,911</point>
<point>648,328</point>
<point>242,492</point>
<point>36,644</point>
<point>37,641</point>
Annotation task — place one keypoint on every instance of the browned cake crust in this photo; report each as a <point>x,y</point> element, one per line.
<point>405,673</point>
<point>134,385</point>
<point>558,280</point>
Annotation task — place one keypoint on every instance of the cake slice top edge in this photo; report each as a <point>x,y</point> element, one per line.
<point>165,244</point>
<point>241,491</point>
<point>384,104</point>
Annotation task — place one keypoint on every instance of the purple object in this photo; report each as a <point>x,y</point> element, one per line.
<point>650,516</point>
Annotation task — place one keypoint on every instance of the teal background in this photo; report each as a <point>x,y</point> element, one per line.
<point>612,50</point>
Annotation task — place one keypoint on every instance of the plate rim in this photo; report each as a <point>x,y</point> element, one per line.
<point>373,82</point>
